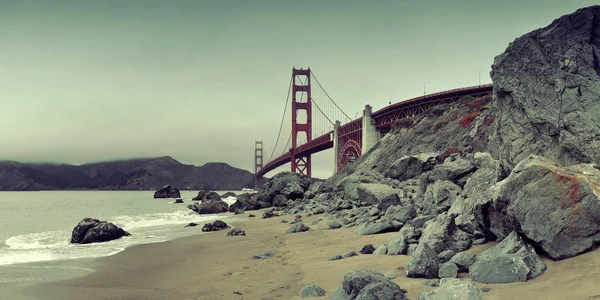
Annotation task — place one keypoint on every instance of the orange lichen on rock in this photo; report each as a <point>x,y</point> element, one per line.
<point>449,152</point>
<point>468,119</point>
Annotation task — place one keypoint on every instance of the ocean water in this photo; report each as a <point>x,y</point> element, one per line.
<point>36,228</point>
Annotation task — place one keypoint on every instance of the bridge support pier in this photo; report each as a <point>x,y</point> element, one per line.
<point>370,134</point>
<point>335,146</point>
<point>258,164</point>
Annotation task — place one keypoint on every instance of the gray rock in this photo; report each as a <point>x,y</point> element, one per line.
<point>318,211</point>
<point>378,227</point>
<point>210,206</point>
<point>350,254</point>
<point>236,232</point>
<point>396,244</point>
<point>312,290</point>
<point>334,225</point>
<point>381,250</point>
<point>452,170</point>
<point>245,201</point>
<point>167,191</point>
<point>445,256</point>
<point>298,227</point>
<point>265,255</point>
<point>471,210</point>
<point>401,213</point>
<point>279,201</point>
<point>336,257</point>
<point>546,87</point>
<point>268,214</point>
<point>512,260</point>
<point>454,289</point>
<point>376,194</point>
<point>200,196</point>
<point>448,270</point>
<point>368,285</point>
<point>409,167</point>
<point>91,230</point>
<point>215,226</point>
<point>367,249</point>
<point>411,249</point>
<point>463,260</point>
<point>431,282</point>
<point>442,234</point>
<point>480,241</point>
<point>557,208</point>
<point>290,185</point>
<point>423,263</point>
<point>439,196</point>
<point>419,222</point>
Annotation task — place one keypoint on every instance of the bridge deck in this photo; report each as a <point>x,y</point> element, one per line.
<point>384,117</point>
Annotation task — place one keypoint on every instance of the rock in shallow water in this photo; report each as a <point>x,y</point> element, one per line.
<point>167,191</point>
<point>214,226</point>
<point>94,231</point>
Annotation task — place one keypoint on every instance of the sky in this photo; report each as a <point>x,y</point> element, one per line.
<point>87,81</point>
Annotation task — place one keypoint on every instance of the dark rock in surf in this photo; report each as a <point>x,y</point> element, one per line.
<point>167,191</point>
<point>95,231</point>
<point>215,226</point>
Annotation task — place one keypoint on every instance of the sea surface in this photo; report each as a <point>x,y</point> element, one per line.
<point>35,229</point>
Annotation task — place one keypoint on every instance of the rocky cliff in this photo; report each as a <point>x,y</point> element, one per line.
<point>521,167</point>
<point>134,174</point>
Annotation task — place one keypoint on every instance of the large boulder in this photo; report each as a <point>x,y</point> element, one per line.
<point>443,234</point>
<point>200,196</point>
<point>423,263</point>
<point>439,196</point>
<point>245,202</point>
<point>512,260</point>
<point>557,208</point>
<point>408,167</point>
<point>378,194</point>
<point>368,285</point>
<point>454,289</point>
<point>167,191</point>
<point>213,206</point>
<point>215,226</point>
<point>290,185</point>
<point>401,213</point>
<point>478,192</point>
<point>95,231</point>
<point>381,226</point>
<point>546,86</point>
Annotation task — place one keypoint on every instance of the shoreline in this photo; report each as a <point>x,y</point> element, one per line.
<point>214,266</point>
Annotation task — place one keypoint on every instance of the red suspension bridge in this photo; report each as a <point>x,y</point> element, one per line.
<point>349,138</point>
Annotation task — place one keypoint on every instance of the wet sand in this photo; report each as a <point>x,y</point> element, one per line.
<point>214,266</point>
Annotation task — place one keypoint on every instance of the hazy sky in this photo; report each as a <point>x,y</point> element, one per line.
<point>89,80</point>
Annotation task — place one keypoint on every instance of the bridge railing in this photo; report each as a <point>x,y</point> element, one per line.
<point>418,100</point>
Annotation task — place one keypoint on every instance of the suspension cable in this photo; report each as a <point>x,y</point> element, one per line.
<point>317,80</point>
<point>282,118</point>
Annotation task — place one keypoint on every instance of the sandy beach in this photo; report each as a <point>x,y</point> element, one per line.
<point>214,266</point>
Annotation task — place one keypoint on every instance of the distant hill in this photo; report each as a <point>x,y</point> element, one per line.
<point>132,174</point>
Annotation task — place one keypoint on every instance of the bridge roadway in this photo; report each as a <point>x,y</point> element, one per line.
<point>384,119</point>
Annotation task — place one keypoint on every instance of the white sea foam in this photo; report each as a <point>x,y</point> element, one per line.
<point>55,245</point>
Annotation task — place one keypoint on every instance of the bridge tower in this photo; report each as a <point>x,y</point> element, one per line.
<point>301,103</point>
<point>258,163</point>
